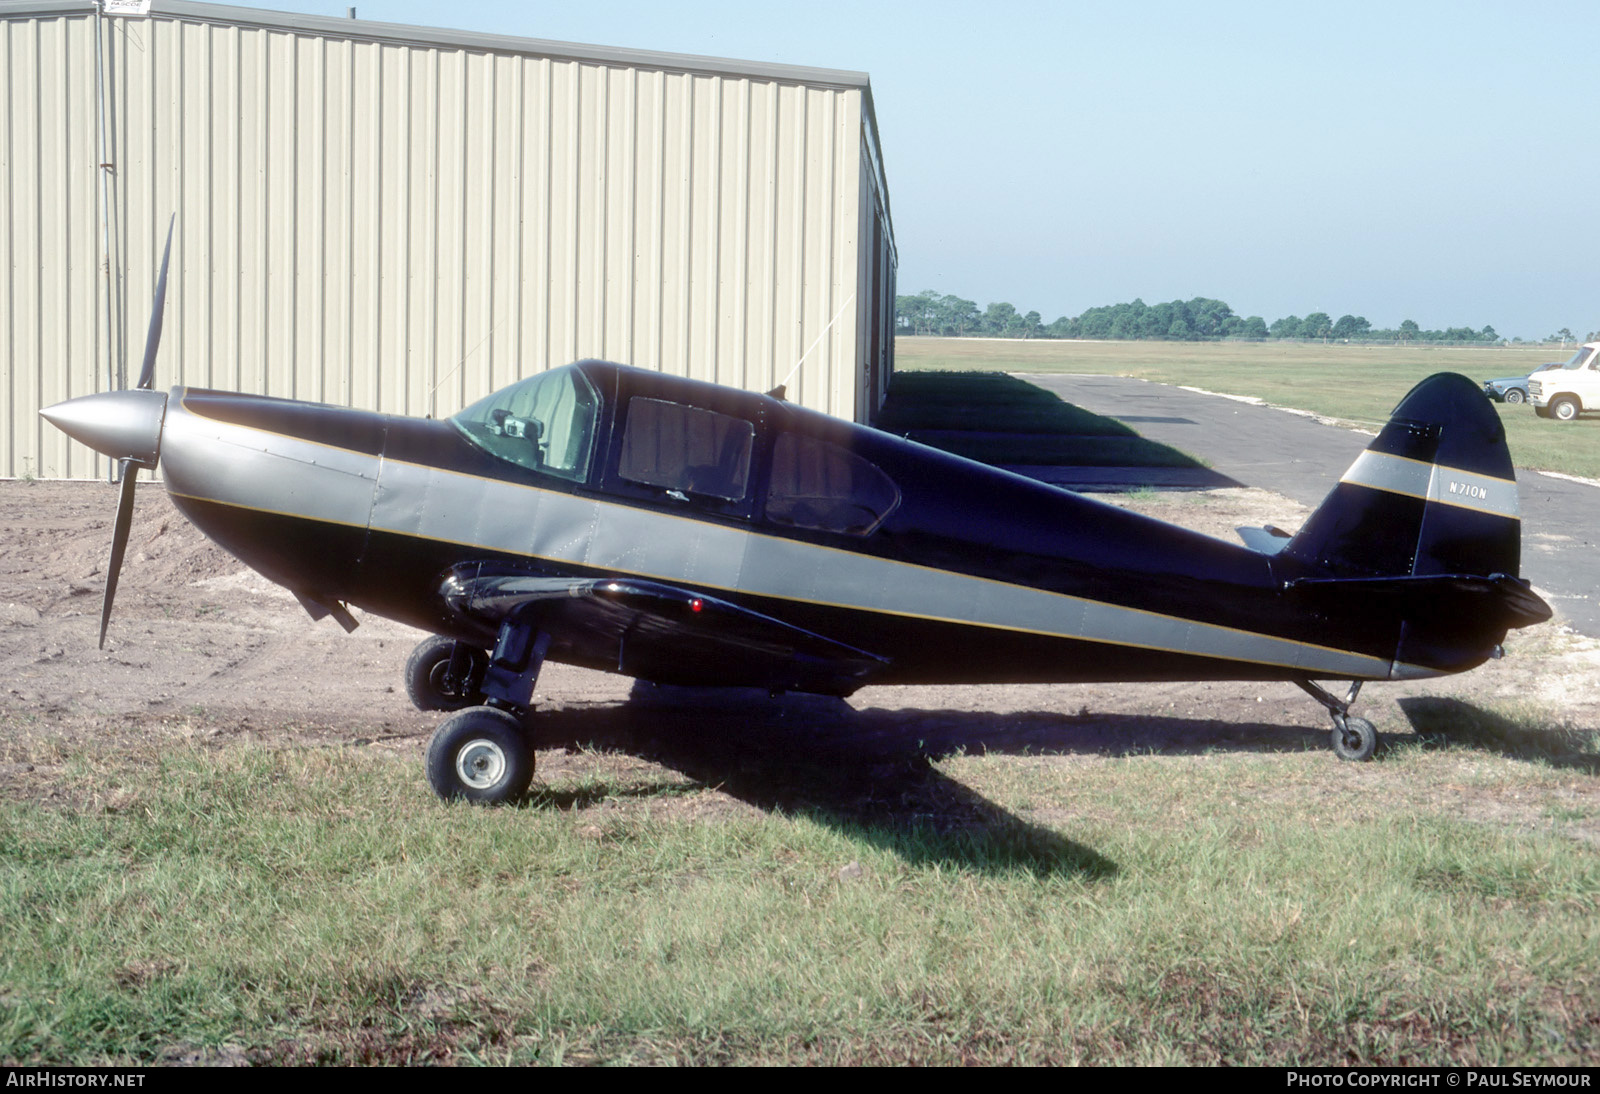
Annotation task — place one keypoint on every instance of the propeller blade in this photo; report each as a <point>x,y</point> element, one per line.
<point>153,339</point>
<point>119,542</point>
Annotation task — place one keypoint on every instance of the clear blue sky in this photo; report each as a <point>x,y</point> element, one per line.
<point>1429,161</point>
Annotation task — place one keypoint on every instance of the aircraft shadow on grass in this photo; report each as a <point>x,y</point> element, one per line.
<point>1441,722</point>
<point>873,771</point>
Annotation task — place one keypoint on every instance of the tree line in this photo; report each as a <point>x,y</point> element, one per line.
<point>1197,320</point>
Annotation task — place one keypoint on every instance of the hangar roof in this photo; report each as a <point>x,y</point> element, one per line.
<point>364,30</point>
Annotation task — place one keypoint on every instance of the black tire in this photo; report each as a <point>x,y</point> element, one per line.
<point>428,681</point>
<point>481,755</point>
<point>1564,409</point>
<point>1542,411</point>
<point>1355,741</point>
<point>1516,395</point>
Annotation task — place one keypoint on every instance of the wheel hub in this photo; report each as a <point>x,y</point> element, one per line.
<point>445,684</point>
<point>480,764</point>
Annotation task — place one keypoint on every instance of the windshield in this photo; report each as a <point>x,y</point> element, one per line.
<point>544,423</point>
<point>1580,357</point>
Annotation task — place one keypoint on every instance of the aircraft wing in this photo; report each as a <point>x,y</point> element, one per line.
<point>661,632</point>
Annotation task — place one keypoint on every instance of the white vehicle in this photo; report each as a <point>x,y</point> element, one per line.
<point>1564,393</point>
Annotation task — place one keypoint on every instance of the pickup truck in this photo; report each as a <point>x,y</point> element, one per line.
<point>1568,391</point>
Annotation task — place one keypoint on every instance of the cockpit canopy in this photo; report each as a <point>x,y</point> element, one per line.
<point>674,453</point>
<point>545,423</point>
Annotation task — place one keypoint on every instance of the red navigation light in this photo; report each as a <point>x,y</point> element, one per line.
<point>696,604</point>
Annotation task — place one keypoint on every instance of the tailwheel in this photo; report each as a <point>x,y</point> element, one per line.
<point>1354,739</point>
<point>480,754</point>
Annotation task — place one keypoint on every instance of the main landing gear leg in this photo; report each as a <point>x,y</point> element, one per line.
<point>514,665</point>
<point>482,753</point>
<point>1353,738</point>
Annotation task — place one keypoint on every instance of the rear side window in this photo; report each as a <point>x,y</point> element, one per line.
<point>820,486</point>
<point>686,449</point>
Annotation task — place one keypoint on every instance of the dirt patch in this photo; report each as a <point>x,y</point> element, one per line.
<point>1215,512</point>
<point>200,648</point>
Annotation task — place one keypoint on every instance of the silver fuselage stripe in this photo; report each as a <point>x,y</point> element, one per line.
<point>1435,482</point>
<point>255,469</point>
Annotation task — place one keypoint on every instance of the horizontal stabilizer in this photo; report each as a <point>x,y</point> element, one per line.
<point>1497,600</point>
<point>1267,540</point>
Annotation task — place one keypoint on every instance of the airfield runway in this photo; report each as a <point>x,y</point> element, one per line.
<point>1297,455</point>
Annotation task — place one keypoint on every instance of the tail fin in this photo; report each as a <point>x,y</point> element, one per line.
<point>1425,529</point>
<point>1434,494</point>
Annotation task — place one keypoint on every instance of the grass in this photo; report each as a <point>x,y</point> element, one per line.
<point>998,419</point>
<point>239,903</point>
<point>1358,384</point>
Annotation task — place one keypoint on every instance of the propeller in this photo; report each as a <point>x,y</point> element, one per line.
<point>130,467</point>
<point>125,425</point>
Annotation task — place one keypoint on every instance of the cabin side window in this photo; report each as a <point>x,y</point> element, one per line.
<point>686,449</point>
<point>820,486</point>
<point>544,423</point>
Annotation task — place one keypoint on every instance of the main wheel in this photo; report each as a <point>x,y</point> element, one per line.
<point>1515,395</point>
<point>429,682</point>
<point>1564,409</point>
<point>480,755</point>
<point>1542,411</point>
<point>1355,741</point>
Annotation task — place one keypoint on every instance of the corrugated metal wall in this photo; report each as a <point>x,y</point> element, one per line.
<point>49,328</point>
<point>405,225</point>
